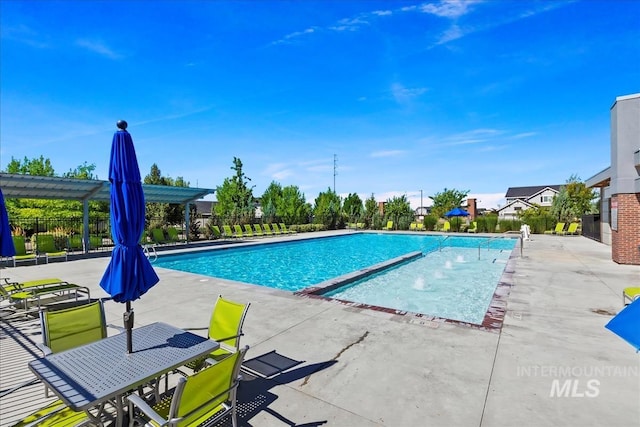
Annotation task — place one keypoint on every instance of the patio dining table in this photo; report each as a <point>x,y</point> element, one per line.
<point>87,376</point>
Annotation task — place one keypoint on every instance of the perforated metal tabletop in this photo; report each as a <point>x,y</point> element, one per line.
<point>86,376</point>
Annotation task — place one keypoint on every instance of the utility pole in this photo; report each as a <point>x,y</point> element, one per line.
<point>420,202</point>
<point>335,171</point>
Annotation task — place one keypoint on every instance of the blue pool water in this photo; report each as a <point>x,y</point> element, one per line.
<point>293,266</point>
<point>452,283</point>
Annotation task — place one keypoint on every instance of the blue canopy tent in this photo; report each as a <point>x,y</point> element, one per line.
<point>129,274</point>
<point>6,241</point>
<point>626,324</point>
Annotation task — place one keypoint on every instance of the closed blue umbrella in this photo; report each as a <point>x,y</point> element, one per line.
<point>625,324</point>
<point>6,242</point>
<point>129,274</point>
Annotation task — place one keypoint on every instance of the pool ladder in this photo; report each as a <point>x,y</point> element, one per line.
<point>488,241</point>
<point>150,252</point>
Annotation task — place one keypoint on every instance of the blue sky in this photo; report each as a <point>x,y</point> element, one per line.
<point>409,96</point>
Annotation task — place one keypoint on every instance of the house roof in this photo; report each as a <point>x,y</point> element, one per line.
<point>524,192</point>
<point>513,202</point>
<point>52,187</point>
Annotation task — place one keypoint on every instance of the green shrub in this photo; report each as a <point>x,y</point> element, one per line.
<point>430,222</point>
<point>491,221</point>
<point>455,222</point>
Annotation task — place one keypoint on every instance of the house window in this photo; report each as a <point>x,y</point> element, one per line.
<point>546,199</point>
<point>517,208</point>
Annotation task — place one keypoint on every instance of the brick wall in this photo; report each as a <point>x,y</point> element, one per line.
<point>626,239</point>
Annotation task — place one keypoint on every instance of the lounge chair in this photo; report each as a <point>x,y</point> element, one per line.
<point>572,229</point>
<point>446,227</point>
<point>276,229</point>
<point>157,236</point>
<point>258,230</point>
<point>267,230</point>
<point>389,226</point>
<point>227,232</point>
<point>284,229</point>
<point>55,414</point>
<point>420,226</point>
<point>173,236</point>
<point>21,251</point>
<point>473,228</point>
<point>557,230</point>
<point>248,231</point>
<point>413,226</point>
<point>238,231</point>
<point>216,232</point>
<point>630,294</point>
<point>45,245</point>
<point>33,292</point>
<point>206,396</point>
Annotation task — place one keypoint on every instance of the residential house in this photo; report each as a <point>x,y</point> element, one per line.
<point>521,198</point>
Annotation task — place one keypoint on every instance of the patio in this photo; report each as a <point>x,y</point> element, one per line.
<point>368,368</point>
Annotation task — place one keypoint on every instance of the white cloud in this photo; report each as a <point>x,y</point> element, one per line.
<point>403,95</point>
<point>387,153</point>
<point>451,9</point>
<point>99,48</point>
<point>489,200</point>
<point>382,12</point>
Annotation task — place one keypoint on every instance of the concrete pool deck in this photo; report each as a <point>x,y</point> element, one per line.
<point>369,368</point>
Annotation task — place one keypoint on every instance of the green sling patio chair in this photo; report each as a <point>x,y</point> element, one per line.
<point>32,293</point>
<point>215,230</point>
<point>55,414</point>
<point>447,226</point>
<point>173,236</point>
<point>631,294</point>
<point>247,230</point>
<point>238,231</point>
<point>276,229</point>
<point>68,326</point>
<point>45,245</point>
<point>258,230</point>
<point>389,226</point>
<point>284,229</point>
<point>473,228</point>
<point>557,230</point>
<point>227,232</point>
<point>21,251</point>
<point>225,327</point>
<point>157,236</point>
<point>204,398</point>
<point>267,230</point>
<point>571,230</point>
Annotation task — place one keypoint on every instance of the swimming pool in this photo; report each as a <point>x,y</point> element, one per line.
<point>296,265</point>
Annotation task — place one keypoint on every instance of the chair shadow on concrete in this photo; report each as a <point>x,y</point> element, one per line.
<point>254,394</point>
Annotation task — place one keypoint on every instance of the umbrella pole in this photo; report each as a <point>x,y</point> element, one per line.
<point>128,325</point>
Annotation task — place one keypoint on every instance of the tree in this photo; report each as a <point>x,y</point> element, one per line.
<point>370,211</point>
<point>398,208</point>
<point>161,214</point>
<point>271,199</point>
<point>327,209</point>
<point>353,207</point>
<point>37,167</point>
<point>573,200</point>
<point>447,200</point>
<point>84,171</point>
<point>293,208</point>
<point>235,197</point>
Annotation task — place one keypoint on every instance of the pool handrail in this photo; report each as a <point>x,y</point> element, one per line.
<point>502,236</point>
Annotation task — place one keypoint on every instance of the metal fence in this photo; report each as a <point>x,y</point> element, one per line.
<point>591,227</point>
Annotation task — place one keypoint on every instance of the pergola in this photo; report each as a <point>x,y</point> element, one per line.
<point>16,186</point>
